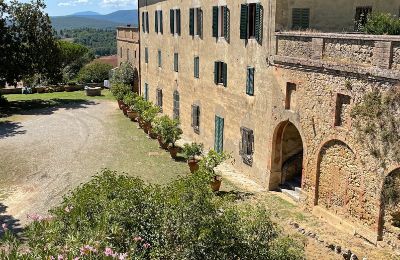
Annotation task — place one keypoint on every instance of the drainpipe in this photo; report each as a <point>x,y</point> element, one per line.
<point>140,49</point>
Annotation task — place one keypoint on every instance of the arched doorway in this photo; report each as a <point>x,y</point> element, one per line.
<point>287,159</point>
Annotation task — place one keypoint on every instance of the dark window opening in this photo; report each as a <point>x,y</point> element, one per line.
<point>176,62</point>
<point>196,118</point>
<point>300,18</point>
<point>247,145</point>
<point>361,17</point>
<point>252,21</point>
<point>176,105</point>
<point>220,73</point>
<point>160,99</point>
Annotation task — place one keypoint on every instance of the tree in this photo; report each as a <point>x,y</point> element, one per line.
<point>94,72</point>
<point>124,74</point>
<point>27,41</point>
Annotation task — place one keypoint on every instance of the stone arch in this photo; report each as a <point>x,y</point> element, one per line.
<point>286,156</point>
<point>340,185</point>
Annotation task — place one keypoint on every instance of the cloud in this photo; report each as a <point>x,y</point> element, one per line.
<point>118,3</point>
<point>73,3</point>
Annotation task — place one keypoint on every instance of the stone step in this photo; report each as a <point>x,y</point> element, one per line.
<point>295,195</point>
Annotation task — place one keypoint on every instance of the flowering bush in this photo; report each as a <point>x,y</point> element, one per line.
<point>123,74</point>
<point>119,217</point>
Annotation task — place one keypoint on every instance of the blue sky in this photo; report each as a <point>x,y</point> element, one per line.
<point>66,7</point>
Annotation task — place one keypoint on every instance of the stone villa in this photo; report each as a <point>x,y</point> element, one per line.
<point>273,82</point>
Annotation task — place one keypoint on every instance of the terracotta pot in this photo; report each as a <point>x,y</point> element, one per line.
<point>216,184</point>
<point>162,144</point>
<point>173,151</point>
<point>147,127</point>
<point>120,103</point>
<point>125,110</point>
<point>132,115</point>
<point>69,88</point>
<point>141,122</point>
<point>40,89</point>
<point>193,165</point>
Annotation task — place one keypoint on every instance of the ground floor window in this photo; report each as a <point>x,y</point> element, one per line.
<point>247,145</point>
<point>196,118</point>
<point>176,105</point>
<point>219,134</point>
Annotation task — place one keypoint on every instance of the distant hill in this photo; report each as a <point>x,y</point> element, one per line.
<point>95,20</point>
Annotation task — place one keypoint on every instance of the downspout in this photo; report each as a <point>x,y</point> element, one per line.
<point>140,49</point>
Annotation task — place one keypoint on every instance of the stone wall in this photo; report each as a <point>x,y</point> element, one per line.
<point>392,209</point>
<point>128,45</point>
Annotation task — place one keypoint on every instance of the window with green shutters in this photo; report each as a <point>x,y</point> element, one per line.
<point>251,22</point>
<point>250,81</point>
<point>158,21</point>
<point>159,98</point>
<point>175,21</point>
<point>196,118</point>
<point>145,22</point>
<point>176,105</point>
<point>221,22</point>
<point>220,73</point>
<point>146,55</point>
<point>246,149</point>
<point>159,59</point>
<point>300,18</point>
<point>176,62</point>
<point>195,22</point>
<point>219,134</point>
<point>146,91</point>
<point>196,67</point>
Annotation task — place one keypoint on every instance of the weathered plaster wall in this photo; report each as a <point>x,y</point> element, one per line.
<point>128,45</point>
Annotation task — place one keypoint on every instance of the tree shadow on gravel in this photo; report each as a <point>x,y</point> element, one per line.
<point>9,129</point>
<point>11,223</point>
<point>42,107</point>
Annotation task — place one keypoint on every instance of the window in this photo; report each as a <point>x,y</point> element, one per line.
<point>146,55</point>
<point>220,73</point>
<point>176,62</point>
<point>135,54</point>
<point>145,22</point>
<point>219,134</point>
<point>158,21</point>
<point>342,109</point>
<point>195,22</point>
<point>250,82</point>
<point>127,54</point>
<point>196,118</point>
<point>247,145</point>
<point>361,17</point>
<point>196,67</point>
<point>120,52</point>
<point>146,91</point>
<point>290,89</point>
<point>176,105</point>
<point>159,98</point>
<point>221,22</point>
<point>251,22</point>
<point>159,59</point>
<point>175,21</point>
<point>300,18</point>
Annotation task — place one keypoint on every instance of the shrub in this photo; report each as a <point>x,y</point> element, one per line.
<point>211,161</point>
<point>119,90</point>
<point>150,113</point>
<point>159,125</point>
<point>116,214</point>
<point>123,74</point>
<point>172,131</point>
<point>142,105</point>
<point>192,150</point>
<point>382,23</point>
<point>94,72</point>
<point>129,98</point>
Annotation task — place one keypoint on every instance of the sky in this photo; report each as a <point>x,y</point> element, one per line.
<point>66,7</point>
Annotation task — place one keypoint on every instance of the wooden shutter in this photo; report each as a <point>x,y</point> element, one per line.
<point>300,18</point>
<point>225,74</point>
<point>227,26</point>
<point>146,55</point>
<point>176,105</point>
<point>178,21</point>
<point>219,134</point>
<point>143,23</point>
<point>250,81</point>
<point>244,20</point>
<point>196,67</point>
<point>191,21</point>
<point>216,72</point>
<point>156,21</point>
<point>259,23</point>
<point>193,116</point>
<point>147,22</point>
<point>176,62</point>
<point>161,22</point>
<point>159,58</point>
<point>171,21</point>
<point>215,22</point>
<point>200,22</point>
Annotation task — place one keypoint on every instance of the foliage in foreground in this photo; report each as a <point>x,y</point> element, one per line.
<point>382,23</point>
<point>116,216</point>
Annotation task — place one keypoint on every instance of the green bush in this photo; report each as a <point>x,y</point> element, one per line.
<point>382,23</point>
<point>192,150</point>
<point>150,113</point>
<point>211,161</point>
<point>171,131</point>
<point>119,90</point>
<point>122,216</point>
<point>124,74</point>
<point>129,98</point>
<point>94,72</point>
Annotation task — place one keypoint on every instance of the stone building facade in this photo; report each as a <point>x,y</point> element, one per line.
<point>128,49</point>
<point>242,80</point>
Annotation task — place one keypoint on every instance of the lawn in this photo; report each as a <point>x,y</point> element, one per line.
<point>76,95</point>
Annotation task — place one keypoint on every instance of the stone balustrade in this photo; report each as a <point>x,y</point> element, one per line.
<point>372,55</point>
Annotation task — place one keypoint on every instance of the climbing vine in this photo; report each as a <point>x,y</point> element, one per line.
<point>377,121</point>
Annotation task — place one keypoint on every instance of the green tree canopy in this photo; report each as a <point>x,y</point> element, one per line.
<point>95,72</point>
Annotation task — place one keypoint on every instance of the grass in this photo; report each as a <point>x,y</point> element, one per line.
<point>78,95</point>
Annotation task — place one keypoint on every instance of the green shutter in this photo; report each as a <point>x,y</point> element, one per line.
<point>200,22</point>
<point>156,21</point>
<point>215,22</point>
<point>171,21</point>
<point>147,22</point>
<point>250,82</point>
<point>198,116</point>
<point>159,58</point>
<point>227,26</point>
<point>143,23</point>
<point>191,21</point>
<point>178,21</point>
<point>146,55</point>
<point>225,74</point>
<point>244,20</point>
<point>216,72</point>
<point>259,23</point>
<point>219,134</point>
<point>161,22</point>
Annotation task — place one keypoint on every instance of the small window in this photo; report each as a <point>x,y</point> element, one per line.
<point>195,22</point>
<point>159,98</point>
<point>127,54</point>
<point>146,55</point>
<point>221,22</point>
<point>175,21</point>
<point>159,59</point>
<point>176,62</point>
<point>120,52</point>
<point>196,67</point>
<point>220,73</point>
<point>196,118</point>
<point>361,16</point>
<point>290,89</point>
<point>342,109</point>
<point>300,18</point>
<point>158,21</point>
<point>135,54</point>
<point>250,82</point>
<point>145,22</point>
<point>146,91</point>
<point>251,22</point>
<point>247,145</point>
<point>176,105</point>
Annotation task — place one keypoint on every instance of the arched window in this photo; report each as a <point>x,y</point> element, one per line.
<point>176,105</point>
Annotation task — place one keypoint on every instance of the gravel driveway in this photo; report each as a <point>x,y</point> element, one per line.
<point>45,154</point>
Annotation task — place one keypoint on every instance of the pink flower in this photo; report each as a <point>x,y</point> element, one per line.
<point>138,238</point>
<point>87,249</point>
<point>108,252</point>
<point>60,257</point>
<point>146,245</point>
<point>76,258</point>
<point>4,226</point>
<point>123,256</point>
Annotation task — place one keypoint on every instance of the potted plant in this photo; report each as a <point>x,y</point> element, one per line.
<point>191,152</point>
<point>208,165</point>
<point>148,116</point>
<point>119,90</point>
<point>172,134</point>
<point>158,128</point>
<point>128,100</point>
<point>141,106</point>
